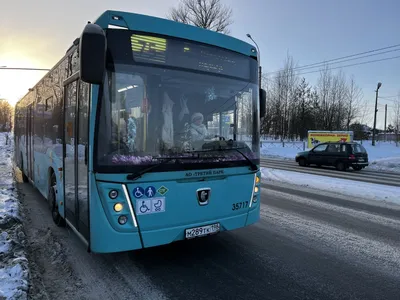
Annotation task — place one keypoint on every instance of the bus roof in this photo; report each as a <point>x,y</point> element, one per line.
<point>150,24</point>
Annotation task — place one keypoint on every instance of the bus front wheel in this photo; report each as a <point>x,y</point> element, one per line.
<point>57,218</point>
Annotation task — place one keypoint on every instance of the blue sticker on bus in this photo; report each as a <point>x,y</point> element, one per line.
<point>138,192</point>
<point>150,191</point>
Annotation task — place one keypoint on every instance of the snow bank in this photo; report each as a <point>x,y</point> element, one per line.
<point>384,156</point>
<point>13,263</point>
<point>274,149</point>
<point>390,164</point>
<point>346,187</point>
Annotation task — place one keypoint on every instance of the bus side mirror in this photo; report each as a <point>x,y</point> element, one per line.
<point>92,54</point>
<point>263,103</point>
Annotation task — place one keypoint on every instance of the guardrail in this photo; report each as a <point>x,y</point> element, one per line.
<point>299,145</point>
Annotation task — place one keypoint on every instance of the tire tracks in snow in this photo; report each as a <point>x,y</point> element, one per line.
<point>354,235</point>
<point>61,268</point>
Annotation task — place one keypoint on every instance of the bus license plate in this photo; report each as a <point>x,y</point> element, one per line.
<point>202,231</point>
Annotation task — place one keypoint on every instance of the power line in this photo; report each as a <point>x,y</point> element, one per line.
<point>343,57</point>
<point>383,105</point>
<point>24,69</point>
<point>388,97</point>
<point>392,100</point>
<point>342,61</point>
<point>339,67</point>
<point>351,59</point>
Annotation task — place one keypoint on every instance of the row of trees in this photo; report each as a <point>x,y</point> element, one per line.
<point>294,106</point>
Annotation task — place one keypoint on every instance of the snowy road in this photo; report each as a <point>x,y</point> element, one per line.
<point>365,175</point>
<point>306,246</point>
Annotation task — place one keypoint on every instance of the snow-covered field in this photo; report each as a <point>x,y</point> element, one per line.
<point>13,263</point>
<point>363,190</point>
<point>384,156</point>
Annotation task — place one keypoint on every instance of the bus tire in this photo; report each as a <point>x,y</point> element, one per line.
<point>24,177</point>
<point>55,214</point>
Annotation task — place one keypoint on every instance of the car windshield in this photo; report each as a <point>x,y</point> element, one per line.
<point>148,114</point>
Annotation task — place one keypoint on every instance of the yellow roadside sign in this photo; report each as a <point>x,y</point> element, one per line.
<point>317,137</point>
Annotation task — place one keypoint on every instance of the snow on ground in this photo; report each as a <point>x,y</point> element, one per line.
<point>13,263</point>
<point>347,187</point>
<point>390,164</point>
<point>276,149</point>
<point>384,156</point>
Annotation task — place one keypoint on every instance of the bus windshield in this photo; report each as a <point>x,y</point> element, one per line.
<point>149,113</point>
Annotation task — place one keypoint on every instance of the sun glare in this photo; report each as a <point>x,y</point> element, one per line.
<point>14,84</point>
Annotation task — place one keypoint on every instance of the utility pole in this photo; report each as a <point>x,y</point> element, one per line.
<point>385,119</point>
<point>376,110</point>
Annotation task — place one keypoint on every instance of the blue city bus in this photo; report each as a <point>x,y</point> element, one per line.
<point>145,133</point>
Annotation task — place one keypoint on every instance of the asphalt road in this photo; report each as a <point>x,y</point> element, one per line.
<point>364,175</point>
<point>306,246</point>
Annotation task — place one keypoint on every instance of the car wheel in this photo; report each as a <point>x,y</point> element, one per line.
<point>302,162</point>
<point>340,166</point>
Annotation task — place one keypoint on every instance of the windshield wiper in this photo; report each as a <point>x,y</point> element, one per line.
<point>252,165</point>
<point>139,174</point>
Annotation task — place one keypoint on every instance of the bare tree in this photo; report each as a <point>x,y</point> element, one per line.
<point>281,97</point>
<point>324,88</point>
<point>365,114</point>
<point>354,98</point>
<point>294,106</point>
<point>396,118</point>
<point>266,124</point>
<point>208,14</point>
<point>333,94</point>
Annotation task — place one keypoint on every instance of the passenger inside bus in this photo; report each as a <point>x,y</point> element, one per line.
<point>198,130</point>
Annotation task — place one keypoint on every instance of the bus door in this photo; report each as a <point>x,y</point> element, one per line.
<point>75,155</point>
<point>29,142</point>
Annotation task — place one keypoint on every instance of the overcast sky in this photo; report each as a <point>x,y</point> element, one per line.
<point>37,34</point>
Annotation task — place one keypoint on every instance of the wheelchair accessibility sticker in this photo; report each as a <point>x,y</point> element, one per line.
<point>138,192</point>
<point>150,206</point>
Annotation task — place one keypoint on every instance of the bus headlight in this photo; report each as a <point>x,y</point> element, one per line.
<point>256,189</point>
<point>118,207</point>
<point>258,180</point>
<point>113,194</point>
<point>122,220</point>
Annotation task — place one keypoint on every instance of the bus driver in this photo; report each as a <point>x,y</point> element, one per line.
<point>198,130</point>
